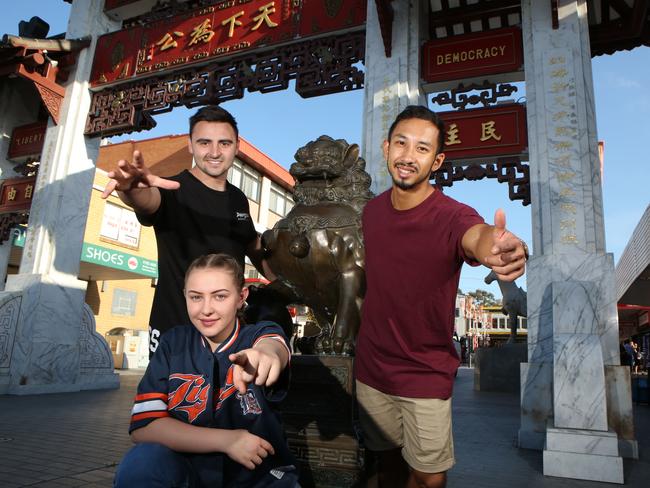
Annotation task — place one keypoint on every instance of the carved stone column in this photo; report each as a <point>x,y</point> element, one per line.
<point>50,342</point>
<point>575,397</point>
<point>392,82</point>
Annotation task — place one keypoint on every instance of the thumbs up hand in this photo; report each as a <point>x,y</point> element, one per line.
<point>508,253</point>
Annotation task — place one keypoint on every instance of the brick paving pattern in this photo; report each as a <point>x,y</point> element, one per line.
<point>77,439</point>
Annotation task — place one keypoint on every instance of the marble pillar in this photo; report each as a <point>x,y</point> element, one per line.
<point>569,403</point>
<point>17,110</point>
<point>54,345</point>
<point>391,83</point>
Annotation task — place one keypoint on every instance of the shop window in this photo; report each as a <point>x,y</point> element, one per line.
<point>124,302</point>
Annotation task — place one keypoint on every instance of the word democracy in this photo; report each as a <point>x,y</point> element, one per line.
<point>471,54</point>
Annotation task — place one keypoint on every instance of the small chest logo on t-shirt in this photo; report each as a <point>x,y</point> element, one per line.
<point>242,216</point>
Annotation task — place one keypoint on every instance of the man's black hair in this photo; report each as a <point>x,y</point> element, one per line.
<point>213,113</point>
<point>423,113</point>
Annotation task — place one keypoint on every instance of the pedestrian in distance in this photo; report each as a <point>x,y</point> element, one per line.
<point>416,240</point>
<point>631,354</point>
<point>204,413</point>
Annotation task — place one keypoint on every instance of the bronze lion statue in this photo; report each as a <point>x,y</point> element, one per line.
<point>316,251</point>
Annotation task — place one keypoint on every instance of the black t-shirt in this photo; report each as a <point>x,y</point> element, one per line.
<point>192,221</point>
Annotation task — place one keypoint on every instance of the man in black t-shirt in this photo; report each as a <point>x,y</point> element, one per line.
<point>193,213</point>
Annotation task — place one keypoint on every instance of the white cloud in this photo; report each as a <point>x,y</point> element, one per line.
<point>627,83</point>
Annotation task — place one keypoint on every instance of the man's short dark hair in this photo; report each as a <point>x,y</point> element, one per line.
<point>423,113</point>
<point>213,113</point>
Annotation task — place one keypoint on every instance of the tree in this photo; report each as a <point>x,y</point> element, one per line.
<point>484,298</point>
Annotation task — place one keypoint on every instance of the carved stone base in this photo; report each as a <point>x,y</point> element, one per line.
<point>583,454</point>
<point>48,342</point>
<point>319,417</point>
<point>9,313</point>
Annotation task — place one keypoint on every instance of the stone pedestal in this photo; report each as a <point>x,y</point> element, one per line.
<point>49,348</point>
<point>583,454</point>
<point>318,416</point>
<point>497,368</point>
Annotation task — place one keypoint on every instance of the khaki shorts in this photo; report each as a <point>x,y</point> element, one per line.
<point>420,426</point>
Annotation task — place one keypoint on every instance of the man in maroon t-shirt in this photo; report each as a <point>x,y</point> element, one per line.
<point>416,240</point>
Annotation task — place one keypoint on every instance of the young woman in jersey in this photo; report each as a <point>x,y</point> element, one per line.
<point>203,413</point>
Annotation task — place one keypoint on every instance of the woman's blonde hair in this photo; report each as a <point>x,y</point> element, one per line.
<point>218,261</point>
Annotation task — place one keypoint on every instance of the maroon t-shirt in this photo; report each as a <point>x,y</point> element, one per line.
<point>413,262</point>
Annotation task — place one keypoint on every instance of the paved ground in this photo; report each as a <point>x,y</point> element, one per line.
<point>485,432</point>
<point>77,439</point>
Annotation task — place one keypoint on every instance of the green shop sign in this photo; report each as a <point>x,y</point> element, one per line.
<point>92,253</point>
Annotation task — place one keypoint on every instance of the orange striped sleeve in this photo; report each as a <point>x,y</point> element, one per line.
<point>148,415</point>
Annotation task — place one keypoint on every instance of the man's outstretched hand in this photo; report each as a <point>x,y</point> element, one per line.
<point>508,255</point>
<point>130,176</point>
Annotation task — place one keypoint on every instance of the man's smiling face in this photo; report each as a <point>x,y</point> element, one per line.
<point>214,147</point>
<point>411,153</point>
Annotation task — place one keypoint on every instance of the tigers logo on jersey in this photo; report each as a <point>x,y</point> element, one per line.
<point>249,403</point>
<point>228,388</point>
<point>190,397</point>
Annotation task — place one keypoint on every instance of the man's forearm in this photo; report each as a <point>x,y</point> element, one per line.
<point>142,200</point>
<point>484,244</point>
<point>477,242</point>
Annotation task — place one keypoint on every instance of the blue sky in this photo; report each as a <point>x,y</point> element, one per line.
<point>278,123</point>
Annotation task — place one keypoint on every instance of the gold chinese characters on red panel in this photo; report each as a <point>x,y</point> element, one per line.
<point>219,30</point>
<point>16,194</point>
<point>485,132</point>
